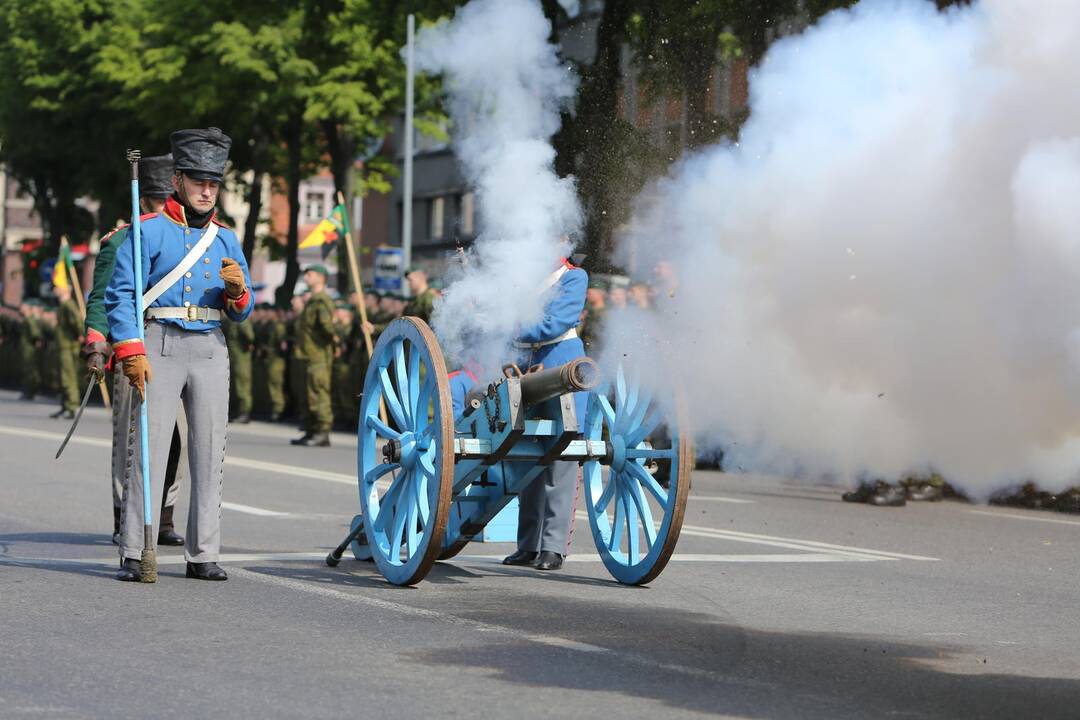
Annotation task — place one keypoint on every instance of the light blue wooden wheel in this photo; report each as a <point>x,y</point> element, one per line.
<point>405,491</point>
<point>360,550</point>
<point>635,521</point>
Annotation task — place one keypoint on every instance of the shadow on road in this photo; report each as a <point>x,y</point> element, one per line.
<point>696,662</point>
<point>58,538</point>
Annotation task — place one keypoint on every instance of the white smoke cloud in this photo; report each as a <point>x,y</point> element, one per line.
<point>883,276</point>
<point>506,88</point>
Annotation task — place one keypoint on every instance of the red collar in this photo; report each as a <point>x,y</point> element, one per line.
<point>567,264</point>
<point>175,212</point>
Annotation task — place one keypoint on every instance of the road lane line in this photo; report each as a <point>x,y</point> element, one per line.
<point>248,463</point>
<point>721,499</point>
<point>459,560</point>
<point>792,543</point>
<point>1032,518</point>
<point>252,510</point>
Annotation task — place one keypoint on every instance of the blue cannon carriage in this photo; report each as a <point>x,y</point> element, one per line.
<point>430,482</point>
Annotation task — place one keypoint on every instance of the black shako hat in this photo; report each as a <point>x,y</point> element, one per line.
<point>201,154</point>
<point>155,176</point>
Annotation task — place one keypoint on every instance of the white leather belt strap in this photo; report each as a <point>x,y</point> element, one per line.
<point>568,335</point>
<point>177,272</point>
<point>191,313</point>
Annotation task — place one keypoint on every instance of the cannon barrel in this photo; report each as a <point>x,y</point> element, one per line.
<point>575,376</point>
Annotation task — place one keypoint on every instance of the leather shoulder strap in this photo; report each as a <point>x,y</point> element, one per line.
<point>177,272</point>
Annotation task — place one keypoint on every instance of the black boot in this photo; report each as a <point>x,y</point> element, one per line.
<point>924,492</point>
<point>878,493</point>
<point>314,440</point>
<point>205,571</point>
<point>129,571</point>
<point>57,414</point>
<point>521,557</point>
<point>301,440</point>
<point>549,561</point>
<point>167,535</point>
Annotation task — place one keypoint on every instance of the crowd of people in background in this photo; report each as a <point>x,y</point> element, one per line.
<point>282,353</point>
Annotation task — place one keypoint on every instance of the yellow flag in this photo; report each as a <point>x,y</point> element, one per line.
<point>325,232</point>
<point>59,273</point>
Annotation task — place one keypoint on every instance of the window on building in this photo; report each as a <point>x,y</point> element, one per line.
<point>315,206</point>
<point>438,218</point>
<point>466,215</point>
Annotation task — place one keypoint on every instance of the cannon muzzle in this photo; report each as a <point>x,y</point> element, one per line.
<point>575,376</point>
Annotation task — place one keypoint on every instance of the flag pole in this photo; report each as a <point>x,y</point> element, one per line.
<point>76,286</point>
<point>354,271</point>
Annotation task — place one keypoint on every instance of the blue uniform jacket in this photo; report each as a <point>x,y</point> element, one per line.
<point>562,312</point>
<point>166,239</point>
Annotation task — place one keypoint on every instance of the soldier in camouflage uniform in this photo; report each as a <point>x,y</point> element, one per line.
<point>31,343</point>
<point>343,395</point>
<point>317,341</point>
<point>277,353</point>
<point>240,339</point>
<point>69,329</point>
<point>297,363</point>
<point>423,295</point>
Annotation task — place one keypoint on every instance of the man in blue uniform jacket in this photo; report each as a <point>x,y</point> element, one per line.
<point>194,272</point>
<point>546,513</point>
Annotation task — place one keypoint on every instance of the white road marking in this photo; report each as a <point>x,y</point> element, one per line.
<point>855,553</point>
<point>693,558</point>
<point>251,510</point>
<point>248,463</point>
<point>810,546</point>
<point>460,559</point>
<point>647,663</point>
<point>721,499</point>
<point>1032,518</point>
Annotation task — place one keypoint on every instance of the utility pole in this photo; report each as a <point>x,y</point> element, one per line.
<point>407,185</point>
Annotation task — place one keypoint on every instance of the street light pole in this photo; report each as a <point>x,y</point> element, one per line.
<point>406,222</point>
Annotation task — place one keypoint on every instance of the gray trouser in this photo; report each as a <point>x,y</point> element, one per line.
<point>546,513</point>
<point>121,430</point>
<point>194,368</point>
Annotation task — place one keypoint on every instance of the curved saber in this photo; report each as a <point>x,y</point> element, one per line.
<point>78,415</point>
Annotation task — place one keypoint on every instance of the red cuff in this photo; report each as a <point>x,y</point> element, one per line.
<point>241,302</point>
<point>128,348</point>
<point>93,336</point>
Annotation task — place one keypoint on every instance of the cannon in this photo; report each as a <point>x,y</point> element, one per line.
<point>430,482</point>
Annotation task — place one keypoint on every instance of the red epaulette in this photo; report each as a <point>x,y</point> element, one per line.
<point>568,265</point>
<point>220,224</point>
<point>147,216</point>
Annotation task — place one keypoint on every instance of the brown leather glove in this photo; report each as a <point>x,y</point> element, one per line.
<point>233,276</point>
<point>137,371</point>
<point>94,355</point>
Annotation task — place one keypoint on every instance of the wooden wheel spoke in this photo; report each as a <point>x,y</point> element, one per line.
<point>422,504</point>
<point>420,414</point>
<point>412,532</point>
<point>381,428</point>
<point>618,525</point>
<point>606,495</point>
<point>620,389</point>
<point>378,471</point>
<point>642,476</point>
<point>645,428</point>
<point>644,512</point>
<point>632,521</point>
<point>401,514</point>
<point>387,503</point>
<point>633,417</point>
<point>649,453</point>
<point>415,410</point>
<point>607,411</point>
<point>403,379</point>
<point>628,413</point>
<point>392,399</point>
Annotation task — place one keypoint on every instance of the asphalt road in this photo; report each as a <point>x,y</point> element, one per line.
<point>782,602</point>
